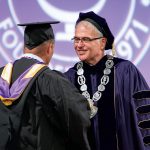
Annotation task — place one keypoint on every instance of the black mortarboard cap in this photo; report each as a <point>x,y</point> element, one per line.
<point>100,23</point>
<point>37,32</point>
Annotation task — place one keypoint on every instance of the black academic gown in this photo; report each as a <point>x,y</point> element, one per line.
<point>115,126</point>
<point>49,115</point>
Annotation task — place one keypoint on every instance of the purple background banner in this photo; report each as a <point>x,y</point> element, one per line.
<point>129,21</point>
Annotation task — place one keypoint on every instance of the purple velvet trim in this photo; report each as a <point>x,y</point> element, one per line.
<point>17,87</point>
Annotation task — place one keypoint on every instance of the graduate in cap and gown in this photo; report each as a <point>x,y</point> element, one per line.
<point>39,108</point>
<point>108,83</point>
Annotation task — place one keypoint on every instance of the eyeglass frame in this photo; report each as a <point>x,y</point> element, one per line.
<point>85,39</point>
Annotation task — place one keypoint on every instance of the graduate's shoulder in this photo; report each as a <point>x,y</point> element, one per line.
<point>53,76</point>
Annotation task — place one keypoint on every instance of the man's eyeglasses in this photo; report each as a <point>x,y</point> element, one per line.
<point>84,39</point>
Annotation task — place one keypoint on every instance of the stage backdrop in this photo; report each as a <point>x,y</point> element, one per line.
<point>129,21</point>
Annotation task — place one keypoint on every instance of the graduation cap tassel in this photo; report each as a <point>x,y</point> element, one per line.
<point>113,50</point>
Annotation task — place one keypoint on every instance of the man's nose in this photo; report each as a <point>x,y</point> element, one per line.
<point>80,43</point>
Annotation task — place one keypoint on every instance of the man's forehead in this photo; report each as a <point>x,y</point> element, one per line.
<point>85,27</point>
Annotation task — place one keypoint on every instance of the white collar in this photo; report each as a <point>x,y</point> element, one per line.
<point>32,56</point>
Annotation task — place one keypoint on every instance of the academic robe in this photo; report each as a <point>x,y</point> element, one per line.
<point>115,126</point>
<point>49,115</point>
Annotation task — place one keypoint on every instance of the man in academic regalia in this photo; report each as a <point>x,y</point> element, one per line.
<point>108,83</point>
<point>39,108</point>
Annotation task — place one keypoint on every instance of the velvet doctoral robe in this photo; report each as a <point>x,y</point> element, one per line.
<point>116,125</point>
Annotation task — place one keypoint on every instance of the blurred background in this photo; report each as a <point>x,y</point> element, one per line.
<point>128,20</point>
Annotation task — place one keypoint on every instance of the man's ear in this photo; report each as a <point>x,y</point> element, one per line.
<point>104,40</point>
<point>103,43</point>
<point>50,48</point>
